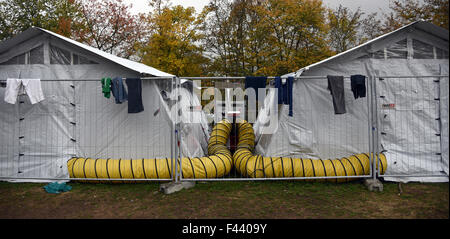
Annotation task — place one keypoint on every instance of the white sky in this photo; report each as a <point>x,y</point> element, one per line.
<point>367,6</point>
<point>142,5</point>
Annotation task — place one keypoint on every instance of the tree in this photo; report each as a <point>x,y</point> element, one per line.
<point>255,37</point>
<point>371,27</point>
<point>110,27</point>
<point>298,34</point>
<point>408,11</point>
<point>61,16</point>
<point>217,35</point>
<point>349,28</point>
<point>172,44</point>
<point>343,28</point>
<point>439,12</point>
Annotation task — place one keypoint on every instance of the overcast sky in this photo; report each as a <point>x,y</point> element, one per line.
<point>367,6</point>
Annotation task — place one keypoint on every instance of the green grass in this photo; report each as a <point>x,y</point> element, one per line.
<point>260,199</point>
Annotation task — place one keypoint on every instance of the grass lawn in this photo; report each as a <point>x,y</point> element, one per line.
<point>227,200</point>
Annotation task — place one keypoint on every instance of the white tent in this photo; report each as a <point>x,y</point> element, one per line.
<point>412,112</point>
<point>75,119</point>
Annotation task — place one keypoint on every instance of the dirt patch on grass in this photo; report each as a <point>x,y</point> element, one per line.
<point>291,200</point>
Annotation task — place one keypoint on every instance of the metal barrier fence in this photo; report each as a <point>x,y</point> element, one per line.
<point>400,117</point>
<point>77,121</point>
<point>313,138</point>
<point>411,122</point>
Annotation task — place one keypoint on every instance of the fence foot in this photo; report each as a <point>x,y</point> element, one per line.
<point>172,187</point>
<point>373,185</point>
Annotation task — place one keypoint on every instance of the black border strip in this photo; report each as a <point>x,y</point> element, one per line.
<point>192,166</point>
<point>323,165</point>
<point>156,169</point>
<point>362,166</point>
<point>292,165</point>
<point>214,165</point>
<point>314,170</point>
<point>335,173</point>
<point>354,170</point>
<point>143,167</point>
<point>168,167</point>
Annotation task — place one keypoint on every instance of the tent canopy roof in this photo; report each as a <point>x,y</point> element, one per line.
<point>424,26</point>
<point>132,65</point>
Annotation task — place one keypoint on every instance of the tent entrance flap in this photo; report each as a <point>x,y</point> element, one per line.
<point>409,125</point>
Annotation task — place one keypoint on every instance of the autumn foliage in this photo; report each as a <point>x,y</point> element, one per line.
<point>229,37</point>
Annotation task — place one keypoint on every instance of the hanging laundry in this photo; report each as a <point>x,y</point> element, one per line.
<point>358,83</point>
<point>31,87</point>
<point>288,94</point>
<point>118,90</point>
<point>255,83</point>
<point>134,95</point>
<point>106,87</point>
<point>336,87</point>
<point>285,92</point>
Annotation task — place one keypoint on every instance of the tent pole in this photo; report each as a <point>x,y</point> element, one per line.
<point>178,132</point>
<point>369,120</point>
<point>172,141</point>
<point>376,144</point>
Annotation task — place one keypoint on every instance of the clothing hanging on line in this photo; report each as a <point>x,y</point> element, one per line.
<point>255,82</point>
<point>16,87</point>
<point>336,87</point>
<point>134,95</point>
<point>118,90</point>
<point>358,84</point>
<point>106,87</point>
<point>285,92</point>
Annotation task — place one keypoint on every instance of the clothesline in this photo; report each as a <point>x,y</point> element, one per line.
<point>97,79</point>
<point>238,78</point>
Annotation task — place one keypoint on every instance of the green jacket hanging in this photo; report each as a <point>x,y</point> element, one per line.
<point>106,87</point>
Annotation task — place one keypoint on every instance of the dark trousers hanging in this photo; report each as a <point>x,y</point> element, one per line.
<point>134,95</point>
<point>336,87</point>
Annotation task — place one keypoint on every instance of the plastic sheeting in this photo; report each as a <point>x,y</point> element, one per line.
<point>134,66</point>
<point>217,164</point>
<point>75,120</point>
<point>36,139</point>
<point>258,166</point>
<point>444,116</point>
<point>410,129</point>
<point>315,131</point>
<point>410,140</point>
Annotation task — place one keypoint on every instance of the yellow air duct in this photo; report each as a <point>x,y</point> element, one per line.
<point>220,161</point>
<point>256,166</point>
<point>217,164</point>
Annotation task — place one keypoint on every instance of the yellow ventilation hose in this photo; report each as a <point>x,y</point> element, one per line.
<point>256,166</point>
<point>217,164</point>
<point>220,161</point>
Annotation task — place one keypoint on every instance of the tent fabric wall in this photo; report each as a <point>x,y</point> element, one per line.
<point>107,130</point>
<point>42,132</point>
<point>9,148</point>
<point>411,138</point>
<point>316,132</point>
<point>444,116</point>
<point>76,120</point>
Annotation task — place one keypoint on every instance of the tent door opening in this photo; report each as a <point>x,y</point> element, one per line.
<point>409,125</point>
<point>46,132</point>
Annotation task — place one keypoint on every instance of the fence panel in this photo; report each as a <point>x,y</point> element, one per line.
<point>410,125</point>
<point>78,133</point>
<point>311,143</point>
